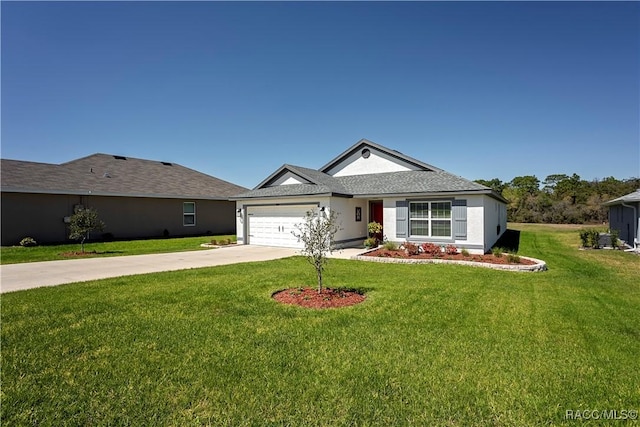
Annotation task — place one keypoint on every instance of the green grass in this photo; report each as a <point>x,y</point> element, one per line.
<point>19,254</point>
<point>431,345</point>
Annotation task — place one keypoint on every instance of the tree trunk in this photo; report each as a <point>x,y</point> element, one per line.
<point>319,271</point>
<point>82,245</point>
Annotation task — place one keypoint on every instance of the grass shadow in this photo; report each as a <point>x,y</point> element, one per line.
<point>510,240</point>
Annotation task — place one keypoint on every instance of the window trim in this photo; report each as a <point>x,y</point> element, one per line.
<point>430,219</point>
<point>186,214</point>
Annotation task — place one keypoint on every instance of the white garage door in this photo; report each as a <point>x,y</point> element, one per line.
<point>273,225</point>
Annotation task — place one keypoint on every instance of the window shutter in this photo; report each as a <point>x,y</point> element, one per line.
<point>402,218</point>
<point>459,208</point>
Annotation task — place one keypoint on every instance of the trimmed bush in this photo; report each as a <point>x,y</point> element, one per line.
<point>615,239</point>
<point>584,238</point>
<point>594,239</point>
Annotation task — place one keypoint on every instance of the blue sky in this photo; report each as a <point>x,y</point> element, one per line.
<point>234,90</point>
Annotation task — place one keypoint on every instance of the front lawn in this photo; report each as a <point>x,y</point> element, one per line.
<point>19,254</point>
<point>431,345</point>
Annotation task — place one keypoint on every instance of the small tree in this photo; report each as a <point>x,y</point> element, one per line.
<point>317,232</point>
<point>82,222</point>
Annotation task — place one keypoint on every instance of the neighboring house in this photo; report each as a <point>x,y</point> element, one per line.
<point>624,216</point>
<point>135,198</point>
<point>413,201</point>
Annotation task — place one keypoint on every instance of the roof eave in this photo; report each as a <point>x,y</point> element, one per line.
<point>108,194</point>
<point>431,193</point>
<point>290,196</point>
<point>286,167</point>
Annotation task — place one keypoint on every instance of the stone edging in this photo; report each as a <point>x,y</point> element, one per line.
<point>538,266</point>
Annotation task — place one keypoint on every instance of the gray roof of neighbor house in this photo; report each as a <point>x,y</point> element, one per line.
<point>109,175</point>
<point>627,198</point>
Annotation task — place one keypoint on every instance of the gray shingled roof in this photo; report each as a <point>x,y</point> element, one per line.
<point>408,182</point>
<point>427,180</point>
<point>627,198</point>
<point>388,183</point>
<point>108,175</point>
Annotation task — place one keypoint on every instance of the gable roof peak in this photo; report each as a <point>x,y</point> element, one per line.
<point>361,144</point>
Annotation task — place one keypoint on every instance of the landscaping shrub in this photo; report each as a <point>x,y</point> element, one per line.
<point>451,250</point>
<point>615,239</point>
<point>371,242</point>
<point>584,237</point>
<point>390,246</point>
<point>594,239</point>
<point>374,228</point>
<point>513,259</point>
<point>431,249</point>
<point>411,248</point>
<point>28,241</point>
<point>375,234</point>
<point>497,251</point>
<point>465,252</point>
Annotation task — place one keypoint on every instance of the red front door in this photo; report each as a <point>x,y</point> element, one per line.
<point>376,212</point>
<point>375,215</point>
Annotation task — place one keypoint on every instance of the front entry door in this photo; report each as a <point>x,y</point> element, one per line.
<point>375,215</point>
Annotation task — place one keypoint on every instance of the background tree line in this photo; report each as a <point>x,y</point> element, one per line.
<point>560,199</point>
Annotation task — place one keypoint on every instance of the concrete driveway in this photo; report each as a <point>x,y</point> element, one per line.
<point>15,277</point>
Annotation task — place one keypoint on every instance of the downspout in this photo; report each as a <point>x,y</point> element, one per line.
<point>635,218</point>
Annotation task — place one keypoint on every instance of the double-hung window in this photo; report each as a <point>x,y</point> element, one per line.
<point>430,219</point>
<point>189,214</point>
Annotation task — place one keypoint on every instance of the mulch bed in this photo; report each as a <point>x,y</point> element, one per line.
<point>487,258</point>
<point>310,298</point>
<point>79,254</point>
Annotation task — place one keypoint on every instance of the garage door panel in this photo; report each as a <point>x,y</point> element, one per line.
<point>274,225</point>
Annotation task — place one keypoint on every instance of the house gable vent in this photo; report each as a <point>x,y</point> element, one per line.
<point>119,157</point>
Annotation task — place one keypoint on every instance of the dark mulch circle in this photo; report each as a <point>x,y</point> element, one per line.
<point>328,298</point>
<point>79,254</point>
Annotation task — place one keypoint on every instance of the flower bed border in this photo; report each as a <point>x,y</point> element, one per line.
<point>538,266</point>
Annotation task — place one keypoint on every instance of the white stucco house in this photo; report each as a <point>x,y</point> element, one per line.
<point>414,201</point>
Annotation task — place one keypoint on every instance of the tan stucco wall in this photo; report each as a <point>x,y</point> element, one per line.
<point>41,216</point>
